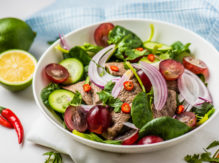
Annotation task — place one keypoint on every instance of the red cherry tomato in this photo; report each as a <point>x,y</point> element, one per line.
<point>86,87</point>
<point>114,68</point>
<point>128,85</point>
<point>56,73</point>
<point>150,140</point>
<point>171,69</point>
<point>151,57</point>
<point>125,108</point>
<point>101,34</point>
<point>188,118</point>
<point>196,66</point>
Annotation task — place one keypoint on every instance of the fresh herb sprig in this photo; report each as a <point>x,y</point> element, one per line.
<point>206,156</point>
<point>53,157</point>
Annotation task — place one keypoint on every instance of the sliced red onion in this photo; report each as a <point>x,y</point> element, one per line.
<point>192,88</point>
<point>158,83</point>
<point>64,43</point>
<point>96,65</point>
<point>130,125</point>
<point>86,107</point>
<point>119,84</point>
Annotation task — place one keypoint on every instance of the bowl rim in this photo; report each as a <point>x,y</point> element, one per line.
<point>112,145</point>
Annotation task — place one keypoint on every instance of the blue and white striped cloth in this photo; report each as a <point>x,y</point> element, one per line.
<point>200,16</point>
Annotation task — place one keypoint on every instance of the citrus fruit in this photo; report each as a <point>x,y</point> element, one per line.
<point>15,34</point>
<point>16,69</point>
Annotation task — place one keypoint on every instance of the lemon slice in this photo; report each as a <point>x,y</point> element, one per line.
<point>16,69</point>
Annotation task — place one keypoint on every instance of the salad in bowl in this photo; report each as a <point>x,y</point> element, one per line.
<point>127,91</point>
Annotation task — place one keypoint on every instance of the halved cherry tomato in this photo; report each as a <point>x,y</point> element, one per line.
<point>125,108</point>
<point>188,118</point>
<point>56,73</point>
<point>128,85</point>
<point>195,65</point>
<point>114,68</point>
<point>171,69</point>
<point>180,109</point>
<point>140,49</point>
<point>86,87</point>
<point>101,34</point>
<point>151,57</point>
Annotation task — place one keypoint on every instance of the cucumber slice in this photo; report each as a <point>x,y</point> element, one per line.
<point>75,69</point>
<point>160,47</point>
<point>60,99</point>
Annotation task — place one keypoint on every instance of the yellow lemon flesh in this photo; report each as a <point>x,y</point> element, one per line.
<point>16,69</point>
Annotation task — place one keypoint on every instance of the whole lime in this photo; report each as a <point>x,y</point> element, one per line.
<point>15,34</point>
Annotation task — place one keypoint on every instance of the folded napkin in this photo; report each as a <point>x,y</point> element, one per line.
<point>46,134</point>
<point>200,16</point>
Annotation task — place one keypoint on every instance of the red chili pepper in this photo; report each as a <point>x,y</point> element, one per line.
<point>151,57</point>
<point>180,109</point>
<point>5,123</point>
<point>125,108</point>
<point>14,121</point>
<point>114,68</point>
<point>86,87</point>
<point>128,85</point>
<point>140,49</point>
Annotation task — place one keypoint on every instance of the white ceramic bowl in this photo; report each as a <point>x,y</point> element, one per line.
<point>165,33</point>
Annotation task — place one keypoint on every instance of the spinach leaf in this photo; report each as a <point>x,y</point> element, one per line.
<point>165,127</point>
<point>77,99</point>
<point>79,53</point>
<point>91,49</point>
<point>203,110</point>
<point>108,99</point>
<point>213,144</point>
<point>124,39</point>
<point>47,91</point>
<point>133,54</point>
<point>94,137</point>
<point>141,110</point>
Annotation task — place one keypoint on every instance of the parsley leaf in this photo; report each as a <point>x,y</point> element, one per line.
<point>47,91</point>
<point>77,99</point>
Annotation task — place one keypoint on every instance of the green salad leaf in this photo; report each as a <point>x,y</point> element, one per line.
<point>47,91</point>
<point>141,112</point>
<point>94,137</point>
<point>79,53</point>
<point>179,51</point>
<point>77,99</point>
<point>107,98</point>
<point>124,40</point>
<point>165,127</point>
<point>133,54</point>
<point>91,49</point>
<point>203,110</point>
